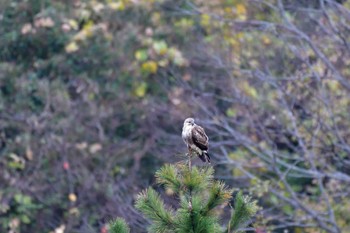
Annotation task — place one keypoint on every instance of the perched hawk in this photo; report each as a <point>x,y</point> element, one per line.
<point>196,140</point>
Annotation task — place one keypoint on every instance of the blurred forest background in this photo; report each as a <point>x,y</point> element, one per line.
<point>93,95</point>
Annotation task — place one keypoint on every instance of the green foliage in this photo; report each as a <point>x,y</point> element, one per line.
<point>150,204</point>
<point>196,179</point>
<point>119,226</point>
<point>199,195</point>
<point>168,176</point>
<point>21,211</point>
<point>218,195</point>
<point>180,179</point>
<point>243,210</point>
<point>190,217</point>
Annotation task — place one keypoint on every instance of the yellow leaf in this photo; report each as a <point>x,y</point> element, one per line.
<point>176,56</point>
<point>228,10</point>
<point>319,67</point>
<point>160,47</point>
<point>88,28</point>
<point>241,10</point>
<point>88,25</point>
<point>184,23</point>
<point>249,90</point>
<point>155,18</point>
<point>149,67</point>
<point>254,181</point>
<point>333,85</point>
<point>266,40</point>
<point>72,197</point>
<point>205,20</point>
<point>16,161</point>
<point>281,185</point>
<point>119,6</point>
<point>163,63</point>
<point>74,24</point>
<point>72,47</point>
<point>237,172</point>
<point>97,6</point>
<point>141,89</point>
<point>141,55</point>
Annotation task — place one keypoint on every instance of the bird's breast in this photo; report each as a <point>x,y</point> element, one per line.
<point>186,134</point>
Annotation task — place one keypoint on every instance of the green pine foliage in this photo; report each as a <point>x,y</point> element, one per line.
<point>199,197</point>
<point>218,195</point>
<point>190,218</point>
<point>167,176</point>
<point>119,226</point>
<point>153,208</point>
<point>244,209</point>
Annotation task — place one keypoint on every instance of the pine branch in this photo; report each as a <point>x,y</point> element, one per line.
<point>243,211</point>
<point>150,204</point>
<point>168,175</point>
<point>192,221</point>
<point>218,194</point>
<point>119,226</point>
<point>196,179</point>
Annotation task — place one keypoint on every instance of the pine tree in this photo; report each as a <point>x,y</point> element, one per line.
<point>199,195</point>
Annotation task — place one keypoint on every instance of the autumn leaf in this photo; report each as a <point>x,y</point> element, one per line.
<point>141,55</point>
<point>140,90</point>
<point>119,6</point>
<point>250,90</point>
<point>241,11</point>
<point>160,47</point>
<point>72,47</point>
<point>205,20</point>
<point>266,40</point>
<point>149,67</point>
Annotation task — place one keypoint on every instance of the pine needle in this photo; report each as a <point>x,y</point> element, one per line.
<point>218,195</point>
<point>168,176</point>
<point>119,226</point>
<point>243,211</point>
<point>152,206</point>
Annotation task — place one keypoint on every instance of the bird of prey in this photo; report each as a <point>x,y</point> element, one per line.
<point>196,140</point>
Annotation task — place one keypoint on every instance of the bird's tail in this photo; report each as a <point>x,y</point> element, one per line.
<point>205,156</point>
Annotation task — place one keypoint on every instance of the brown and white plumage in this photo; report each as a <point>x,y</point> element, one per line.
<point>196,139</point>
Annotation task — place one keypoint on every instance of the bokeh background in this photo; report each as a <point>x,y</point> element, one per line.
<point>93,95</point>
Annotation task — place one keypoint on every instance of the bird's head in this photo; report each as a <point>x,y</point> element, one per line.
<point>189,121</point>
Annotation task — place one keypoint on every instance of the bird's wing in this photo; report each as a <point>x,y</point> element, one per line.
<point>199,137</point>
